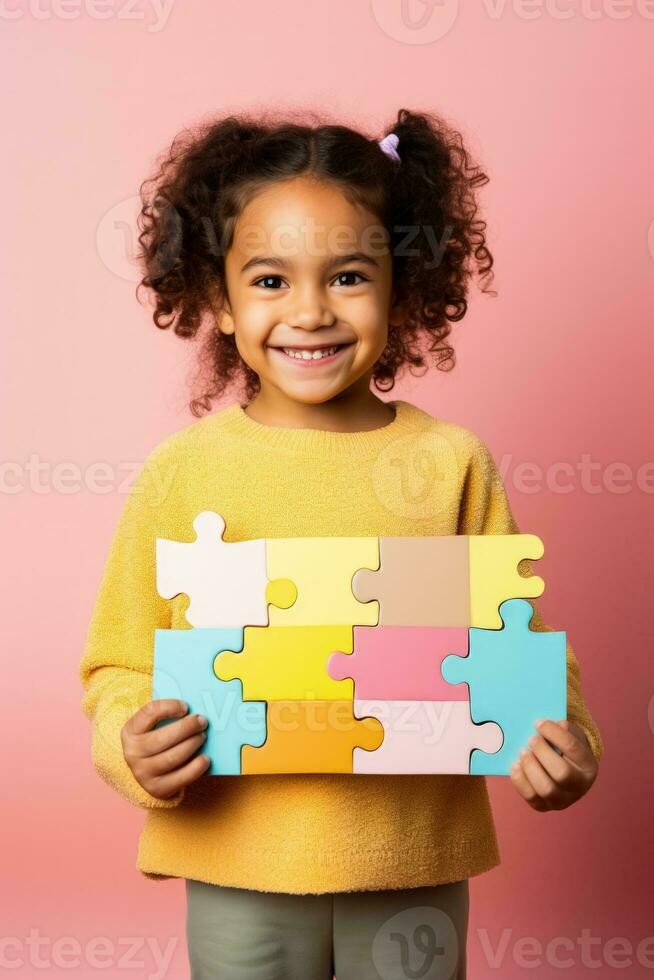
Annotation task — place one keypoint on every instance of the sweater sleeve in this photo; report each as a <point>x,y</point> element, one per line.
<point>117,663</point>
<point>485,509</point>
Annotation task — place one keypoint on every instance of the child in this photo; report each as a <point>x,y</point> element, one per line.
<point>321,260</point>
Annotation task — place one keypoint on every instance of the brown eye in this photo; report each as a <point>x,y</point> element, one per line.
<point>267,279</point>
<point>343,274</point>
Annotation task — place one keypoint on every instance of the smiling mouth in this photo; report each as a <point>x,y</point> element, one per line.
<point>312,355</point>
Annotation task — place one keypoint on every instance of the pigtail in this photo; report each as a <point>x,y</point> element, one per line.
<point>438,243</point>
<point>183,243</point>
<point>178,239</point>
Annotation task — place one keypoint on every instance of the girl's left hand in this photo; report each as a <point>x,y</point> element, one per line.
<point>548,781</point>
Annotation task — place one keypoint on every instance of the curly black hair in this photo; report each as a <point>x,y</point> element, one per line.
<point>426,202</point>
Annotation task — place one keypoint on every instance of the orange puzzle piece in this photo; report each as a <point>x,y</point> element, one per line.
<point>311,736</point>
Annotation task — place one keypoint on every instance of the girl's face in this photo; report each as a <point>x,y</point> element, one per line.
<point>309,284</point>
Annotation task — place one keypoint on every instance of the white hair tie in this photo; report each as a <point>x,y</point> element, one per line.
<point>389,146</point>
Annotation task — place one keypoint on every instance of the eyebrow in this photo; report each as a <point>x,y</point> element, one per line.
<point>278,263</point>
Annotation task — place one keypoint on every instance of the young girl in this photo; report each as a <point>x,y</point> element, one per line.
<point>320,260</point>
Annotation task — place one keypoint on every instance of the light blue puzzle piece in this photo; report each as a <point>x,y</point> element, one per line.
<point>516,676</point>
<point>183,668</point>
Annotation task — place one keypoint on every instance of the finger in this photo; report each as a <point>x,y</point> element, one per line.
<point>563,738</point>
<point>579,733</point>
<point>165,786</point>
<point>172,758</point>
<point>539,779</point>
<point>524,787</point>
<point>150,713</point>
<point>556,766</point>
<point>169,734</point>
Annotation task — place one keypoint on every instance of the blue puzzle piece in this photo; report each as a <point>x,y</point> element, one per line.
<point>183,668</point>
<point>516,676</point>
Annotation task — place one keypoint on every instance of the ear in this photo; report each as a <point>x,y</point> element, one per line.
<point>398,310</point>
<point>225,322</point>
<point>222,310</point>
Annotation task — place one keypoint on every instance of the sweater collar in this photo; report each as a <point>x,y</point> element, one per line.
<point>301,440</point>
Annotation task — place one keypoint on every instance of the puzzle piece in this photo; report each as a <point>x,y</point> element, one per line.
<point>321,569</point>
<point>226,582</point>
<point>422,581</point>
<point>494,575</point>
<point>183,668</point>
<point>283,663</point>
<point>515,676</point>
<point>400,662</point>
<point>424,737</point>
<point>311,736</point>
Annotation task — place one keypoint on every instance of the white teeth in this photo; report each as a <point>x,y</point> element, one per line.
<point>307,355</point>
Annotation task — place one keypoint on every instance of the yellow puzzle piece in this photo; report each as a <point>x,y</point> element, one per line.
<point>283,663</point>
<point>494,575</point>
<point>322,570</point>
<point>311,736</point>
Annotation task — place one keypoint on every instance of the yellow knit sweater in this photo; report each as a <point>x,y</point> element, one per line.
<point>303,833</point>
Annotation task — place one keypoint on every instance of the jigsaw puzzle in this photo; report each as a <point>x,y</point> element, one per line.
<point>358,655</point>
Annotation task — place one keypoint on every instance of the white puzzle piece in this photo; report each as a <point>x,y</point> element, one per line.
<point>424,737</point>
<point>225,581</point>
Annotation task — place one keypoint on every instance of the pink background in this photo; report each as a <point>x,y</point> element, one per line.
<point>556,368</point>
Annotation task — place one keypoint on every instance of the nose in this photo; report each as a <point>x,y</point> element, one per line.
<point>308,309</point>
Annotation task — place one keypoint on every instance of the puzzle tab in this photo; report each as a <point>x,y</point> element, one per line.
<point>358,654</point>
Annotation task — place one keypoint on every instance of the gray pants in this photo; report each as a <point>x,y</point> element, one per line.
<point>239,934</point>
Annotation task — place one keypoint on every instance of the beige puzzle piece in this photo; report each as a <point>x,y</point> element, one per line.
<point>422,581</point>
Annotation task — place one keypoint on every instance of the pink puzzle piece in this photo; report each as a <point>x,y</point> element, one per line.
<point>424,737</point>
<point>391,662</point>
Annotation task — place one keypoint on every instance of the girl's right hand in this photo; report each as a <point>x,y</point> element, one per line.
<point>158,756</point>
